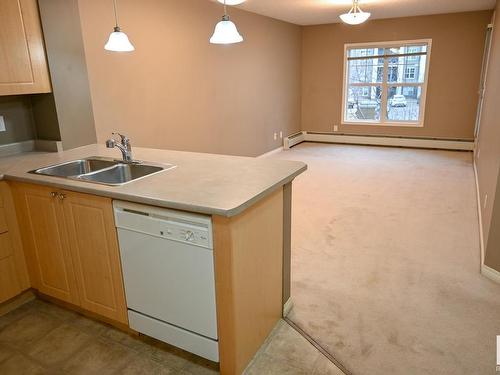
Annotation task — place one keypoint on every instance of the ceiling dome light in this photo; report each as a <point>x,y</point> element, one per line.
<point>232,2</point>
<point>355,16</point>
<point>118,41</point>
<point>225,31</point>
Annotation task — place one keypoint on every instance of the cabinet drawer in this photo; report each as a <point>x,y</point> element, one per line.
<point>5,245</point>
<point>3,221</point>
<point>9,284</point>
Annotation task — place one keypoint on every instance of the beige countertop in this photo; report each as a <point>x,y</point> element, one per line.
<point>205,183</point>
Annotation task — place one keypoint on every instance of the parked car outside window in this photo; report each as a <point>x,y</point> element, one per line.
<point>398,101</point>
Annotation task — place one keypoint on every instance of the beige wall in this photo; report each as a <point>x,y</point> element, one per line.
<point>488,154</point>
<point>457,49</point>
<point>177,91</point>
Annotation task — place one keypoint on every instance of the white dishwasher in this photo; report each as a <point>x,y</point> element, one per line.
<point>168,270</point>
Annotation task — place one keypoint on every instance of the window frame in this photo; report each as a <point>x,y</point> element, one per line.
<point>384,121</point>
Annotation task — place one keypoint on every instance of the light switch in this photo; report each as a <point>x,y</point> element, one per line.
<point>2,124</point>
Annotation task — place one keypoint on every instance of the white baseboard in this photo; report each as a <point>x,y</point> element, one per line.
<point>272,152</point>
<point>287,307</point>
<point>444,144</point>
<point>16,148</point>
<point>486,271</point>
<point>479,213</point>
<point>490,273</point>
<point>293,140</point>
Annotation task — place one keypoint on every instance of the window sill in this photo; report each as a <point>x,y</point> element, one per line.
<point>388,124</point>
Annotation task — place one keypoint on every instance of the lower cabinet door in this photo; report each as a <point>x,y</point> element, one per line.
<point>43,229</point>
<point>94,249</point>
<point>9,284</point>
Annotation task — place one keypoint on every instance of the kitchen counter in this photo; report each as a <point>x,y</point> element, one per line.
<point>205,183</point>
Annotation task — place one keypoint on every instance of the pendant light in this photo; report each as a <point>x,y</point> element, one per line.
<point>355,15</point>
<point>232,2</point>
<point>118,40</point>
<point>225,31</point>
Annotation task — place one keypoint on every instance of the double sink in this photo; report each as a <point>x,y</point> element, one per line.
<point>102,170</point>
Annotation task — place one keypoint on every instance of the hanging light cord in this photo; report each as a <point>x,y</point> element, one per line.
<point>117,28</point>
<point>355,7</point>
<point>226,16</point>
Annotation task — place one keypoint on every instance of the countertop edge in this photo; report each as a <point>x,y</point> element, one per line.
<point>231,212</point>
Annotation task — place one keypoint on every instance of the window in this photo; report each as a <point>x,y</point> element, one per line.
<point>385,83</point>
<point>410,72</point>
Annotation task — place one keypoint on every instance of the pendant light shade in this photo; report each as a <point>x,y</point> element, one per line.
<point>355,16</point>
<point>232,2</point>
<point>118,41</point>
<point>225,31</point>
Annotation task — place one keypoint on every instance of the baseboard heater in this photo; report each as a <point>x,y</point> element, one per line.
<point>375,140</point>
<point>293,140</point>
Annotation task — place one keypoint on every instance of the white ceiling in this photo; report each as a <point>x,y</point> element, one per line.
<point>314,12</point>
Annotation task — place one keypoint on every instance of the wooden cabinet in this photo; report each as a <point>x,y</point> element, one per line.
<point>13,273</point>
<point>95,254</point>
<point>23,64</point>
<point>42,223</point>
<point>70,240</point>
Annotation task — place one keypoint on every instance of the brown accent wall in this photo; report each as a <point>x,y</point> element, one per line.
<point>177,91</point>
<point>492,255</point>
<point>71,119</point>
<point>457,50</point>
<point>488,154</point>
<point>18,118</point>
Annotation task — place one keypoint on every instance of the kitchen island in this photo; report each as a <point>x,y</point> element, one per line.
<point>248,202</point>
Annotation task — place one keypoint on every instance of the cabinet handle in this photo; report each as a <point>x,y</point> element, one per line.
<point>61,196</point>
<point>53,194</point>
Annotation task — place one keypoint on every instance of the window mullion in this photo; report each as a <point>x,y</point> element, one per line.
<point>383,104</point>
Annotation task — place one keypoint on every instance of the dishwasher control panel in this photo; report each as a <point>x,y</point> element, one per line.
<point>194,234</point>
<point>174,225</point>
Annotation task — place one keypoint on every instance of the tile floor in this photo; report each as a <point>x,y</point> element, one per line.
<point>41,338</point>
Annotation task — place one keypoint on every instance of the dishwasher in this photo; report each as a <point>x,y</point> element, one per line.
<point>168,271</point>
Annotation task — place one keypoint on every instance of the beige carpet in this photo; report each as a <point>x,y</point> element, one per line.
<point>386,260</point>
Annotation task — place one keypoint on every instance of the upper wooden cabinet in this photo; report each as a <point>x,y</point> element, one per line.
<point>23,64</point>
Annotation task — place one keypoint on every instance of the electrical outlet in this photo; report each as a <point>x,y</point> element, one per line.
<point>335,128</point>
<point>2,124</point>
<point>281,134</point>
<point>485,201</point>
<point>275,136</point>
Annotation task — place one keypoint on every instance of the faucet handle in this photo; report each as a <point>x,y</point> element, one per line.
<point>124,138</point>
<point>110,143</point>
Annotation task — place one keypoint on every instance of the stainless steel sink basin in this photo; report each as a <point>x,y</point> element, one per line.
<point>76,167</point>
<point>101,170</point>
<point>121,173</point>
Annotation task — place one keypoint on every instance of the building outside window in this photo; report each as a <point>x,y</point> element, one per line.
<point>385,83</point>
<point>410,72</point>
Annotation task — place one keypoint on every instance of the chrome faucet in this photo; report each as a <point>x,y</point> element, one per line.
<point>124,146</point>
